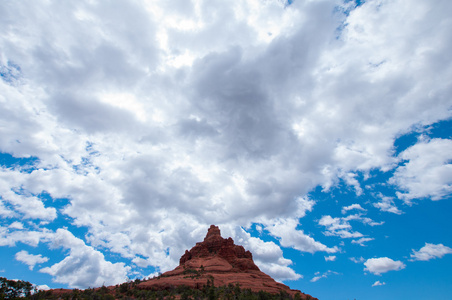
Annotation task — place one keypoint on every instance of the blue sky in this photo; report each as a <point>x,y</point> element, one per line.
<point>317,134</point>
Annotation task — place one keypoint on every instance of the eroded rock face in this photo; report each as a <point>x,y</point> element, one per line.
<point>215,245</point>
<point>221,260</point>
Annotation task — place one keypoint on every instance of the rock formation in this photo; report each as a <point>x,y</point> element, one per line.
<point>221,261</point>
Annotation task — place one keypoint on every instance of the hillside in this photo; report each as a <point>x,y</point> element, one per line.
<point>219,262</point>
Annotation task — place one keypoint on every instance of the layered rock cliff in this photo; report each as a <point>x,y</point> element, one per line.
<point>220,262</point>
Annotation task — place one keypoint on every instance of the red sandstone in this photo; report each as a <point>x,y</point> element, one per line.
<point>221,260</point>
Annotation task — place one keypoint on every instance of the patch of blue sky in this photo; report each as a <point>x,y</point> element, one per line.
<point>258,230</point>
<point>64,221</point>
<point>359,2</point>
<point>344,10</point>
<point>10,265</point>
<point>136,272</point>
<point>441,129</point>
<point>356,3</point>
<point>10,73</point>
<point>90,148</point>
<point>24,164</point>
<point>19,270</point>
<point>86,165</point>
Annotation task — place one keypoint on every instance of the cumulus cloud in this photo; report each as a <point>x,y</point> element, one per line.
<point>30,259</point>
<point>22,202</point>
<point>16,225</point>
<point>362,240</point>
<point>378,283</point>
<point>382,265</point>
<point>11,236</point>
<point>319,275</point>
<point>341,226</point>
<point>330,258</point>
<point>350,179</point>
<point>268,256</point>
<point>356,206</point>
<point>338,227</point>
<point>84,266</point>
<point>387,204</point>
<point>280,271</point>
<point>357,260</point>
<point>430,251</point>
<point>5,212</point>
<point>289,236</point>
<point>427,172</point>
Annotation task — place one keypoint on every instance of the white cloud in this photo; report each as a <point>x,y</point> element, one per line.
<point>16,225</point>
<point>267,255</point>
<point>10,236</point>
<point>22,202</point>
<point>350,179</point>
<point>356,206</point>
<point>5,212</point>
<point>378,283</point>
<point>84,266</point>
<point>382,265</point>
<point>259,228</point>
<point>387,204</point>
<point>427,172</point>
<point>43,287</point>
<point>319,276</point>
<point>330,258</point>
<point>279,272</point>
<point>289,236</point>
<point>362,240</point>
<point>30,259</point>
<point>316,278</point>
<point>357,260</point>
<point>341,226</point>
<point>335,224</point>
<point>430,251</point>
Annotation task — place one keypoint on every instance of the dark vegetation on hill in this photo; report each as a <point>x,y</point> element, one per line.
<point>129,290</point>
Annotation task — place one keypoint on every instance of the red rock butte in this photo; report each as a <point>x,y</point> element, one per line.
<point>222,261</point>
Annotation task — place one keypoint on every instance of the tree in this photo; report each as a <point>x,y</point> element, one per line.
<point>12,289</point>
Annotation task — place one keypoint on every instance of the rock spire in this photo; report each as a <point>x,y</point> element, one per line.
<point>222,261</point>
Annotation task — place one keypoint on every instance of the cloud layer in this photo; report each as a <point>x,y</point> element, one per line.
<point>144,122</point>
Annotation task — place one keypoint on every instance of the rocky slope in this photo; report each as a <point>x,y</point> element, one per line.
<point>219,261</point>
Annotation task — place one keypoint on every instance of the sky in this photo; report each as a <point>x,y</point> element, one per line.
<point>315,133</point>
